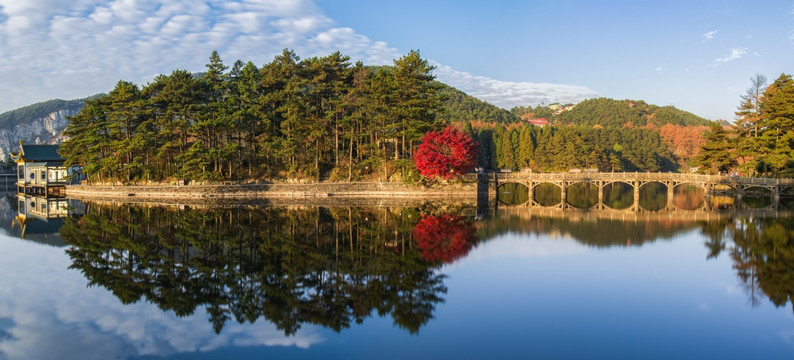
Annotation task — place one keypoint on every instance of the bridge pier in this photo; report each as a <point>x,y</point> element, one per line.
<point>530,193</point>
<point>563,195</point>
<point>600,202</point>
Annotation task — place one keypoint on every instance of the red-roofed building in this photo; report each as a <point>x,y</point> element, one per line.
<point>539,122</point>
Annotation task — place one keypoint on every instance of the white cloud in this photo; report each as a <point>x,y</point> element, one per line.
<point>58,49</point>
<point>507,94</point>
<point>70,49</point>
<point>42,303</point>
<point>709,35</point>
<point>735,54</point>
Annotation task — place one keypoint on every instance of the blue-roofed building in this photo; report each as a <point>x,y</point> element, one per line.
<point>40,171</point>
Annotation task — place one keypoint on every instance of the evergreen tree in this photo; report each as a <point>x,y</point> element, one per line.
<point>416,100</point>
<point>777,122</point>
<point>526,147</point>
<point>716,155</point>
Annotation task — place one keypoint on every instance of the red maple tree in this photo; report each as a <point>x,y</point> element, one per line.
<point>447,153</point>
<point>444,238</point>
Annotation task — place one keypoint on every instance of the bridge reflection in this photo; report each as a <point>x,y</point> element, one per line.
<point>701,214</point>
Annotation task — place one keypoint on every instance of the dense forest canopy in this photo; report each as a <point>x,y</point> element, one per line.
<point>323,118</point>
<point>315,118</point>
<point>562,148</point>
<point>291,118</point>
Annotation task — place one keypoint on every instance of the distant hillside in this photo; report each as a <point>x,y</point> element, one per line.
<point>616,113</point>
<point>40,123</point>
<point>25,114</point>
<point>463,107</point>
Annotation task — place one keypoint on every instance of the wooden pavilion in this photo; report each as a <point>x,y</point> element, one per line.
<point>40,171</point>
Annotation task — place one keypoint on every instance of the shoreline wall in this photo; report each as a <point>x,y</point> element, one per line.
<point>253,192</point>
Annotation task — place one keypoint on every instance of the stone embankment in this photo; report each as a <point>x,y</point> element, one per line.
<point>277,193</point>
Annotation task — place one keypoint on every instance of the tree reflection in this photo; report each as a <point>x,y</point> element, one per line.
<point>444,238</point>
<point>762,254</point>
<point>715,231</point>
<point>329,267</point>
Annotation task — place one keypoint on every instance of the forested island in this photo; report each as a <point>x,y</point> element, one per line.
<point>323,118</point>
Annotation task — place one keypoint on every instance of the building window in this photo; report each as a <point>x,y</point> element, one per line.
<point>21,171</point>
<point>32,176</point>
<point>43,175</point>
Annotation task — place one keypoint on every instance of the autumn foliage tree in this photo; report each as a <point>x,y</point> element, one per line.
<point>447,153</point>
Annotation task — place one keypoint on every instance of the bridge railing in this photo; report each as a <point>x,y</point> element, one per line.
<point>636,176</point>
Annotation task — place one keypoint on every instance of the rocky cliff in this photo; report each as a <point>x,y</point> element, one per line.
<point>43,130</point>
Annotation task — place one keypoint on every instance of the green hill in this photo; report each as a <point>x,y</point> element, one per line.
<point>462,107</point>
<point>616,113</point>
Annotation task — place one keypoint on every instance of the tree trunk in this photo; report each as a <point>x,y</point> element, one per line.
<point>350,164</point>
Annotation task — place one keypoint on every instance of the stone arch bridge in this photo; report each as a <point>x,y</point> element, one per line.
<point>711,184</point>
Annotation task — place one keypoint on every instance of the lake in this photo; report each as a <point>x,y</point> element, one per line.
<point>705,278</point>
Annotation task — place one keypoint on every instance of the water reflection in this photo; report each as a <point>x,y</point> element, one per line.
<point>333,267</point>
<point>547,194</point>
<point>330,267</point>
<point>689,197</point>
<point>512,194</point>
<point>618,195</point>
<point>757,202</point>
<point>444,238</point>
<point>300,266</point>
<point>582,195</point>
<point>37,219</point>
<point>763,255</point>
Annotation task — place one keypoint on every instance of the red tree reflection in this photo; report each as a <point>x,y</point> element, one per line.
<point>444,238</point>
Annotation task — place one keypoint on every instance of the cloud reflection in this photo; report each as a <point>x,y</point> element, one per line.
<point>48,313</point>
<point>512,245</point>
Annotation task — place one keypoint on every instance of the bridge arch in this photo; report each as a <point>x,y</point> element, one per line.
<point>701,185</point>
<point>708,184</point>
<point>613,182</point>
<point>666,184</point>
<point>756,190</point>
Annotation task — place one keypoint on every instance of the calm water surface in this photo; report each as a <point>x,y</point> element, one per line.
<point>110,281</point>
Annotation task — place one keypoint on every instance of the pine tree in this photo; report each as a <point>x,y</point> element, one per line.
<point>416,100</point>
<point>716,155</point>
<point>777,122</point>
<point>526,147</point>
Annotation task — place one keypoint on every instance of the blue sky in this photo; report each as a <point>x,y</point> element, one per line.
<point>695,55</point>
